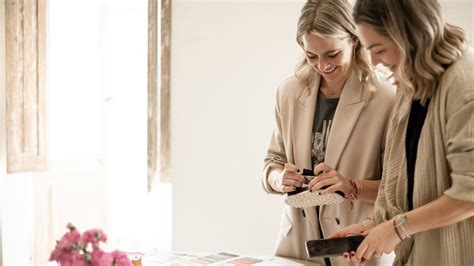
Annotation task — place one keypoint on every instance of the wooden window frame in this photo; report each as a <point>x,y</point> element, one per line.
<point>159,99</point>
<point>25,39</point>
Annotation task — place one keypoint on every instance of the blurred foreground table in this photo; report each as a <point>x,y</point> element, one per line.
<point>222,259</point>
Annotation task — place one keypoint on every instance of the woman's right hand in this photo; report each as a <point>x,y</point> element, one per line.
<point>289,179</point>
<point>353,229</point>
<point>362,228</point>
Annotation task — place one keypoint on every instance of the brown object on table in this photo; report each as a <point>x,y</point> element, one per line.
<point>137,261</point>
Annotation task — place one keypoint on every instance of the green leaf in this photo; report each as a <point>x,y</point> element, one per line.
<point>88,257</point>
<point>76,246</point>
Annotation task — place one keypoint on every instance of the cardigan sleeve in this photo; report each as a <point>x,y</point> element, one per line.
<point>459,140</point>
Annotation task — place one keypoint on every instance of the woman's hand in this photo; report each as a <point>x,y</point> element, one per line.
<point>289,179</point>
<point>329,177</point>
<point>378,240</point>
<point>353,229</point>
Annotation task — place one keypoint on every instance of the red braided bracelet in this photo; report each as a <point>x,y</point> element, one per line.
<point>355,190</point>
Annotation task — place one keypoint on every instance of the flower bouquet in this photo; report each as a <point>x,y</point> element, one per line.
<point>76,249</point>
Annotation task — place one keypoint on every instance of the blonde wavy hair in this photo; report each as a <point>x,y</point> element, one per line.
<point>330,19</point>
<point>426,44</point>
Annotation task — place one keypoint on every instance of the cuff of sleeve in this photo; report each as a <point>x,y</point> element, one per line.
<point>266,173</point>
<point>462,188</point>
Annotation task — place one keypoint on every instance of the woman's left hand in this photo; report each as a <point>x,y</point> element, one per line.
<point>379,239</point>
<point>329,177</point>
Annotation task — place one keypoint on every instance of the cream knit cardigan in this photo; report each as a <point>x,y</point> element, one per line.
<point>444,166</point>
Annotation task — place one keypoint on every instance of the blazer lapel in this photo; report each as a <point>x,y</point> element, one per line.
<point>347,113</point>
<point>303,117</point>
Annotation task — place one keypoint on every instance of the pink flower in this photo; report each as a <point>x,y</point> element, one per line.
<point>93,236</point>
<point>71,250</point>
<point>72,258</point>
<point>120,259</point>
<point>69,242</point>
<point>101,258</point>
<point>70,238</point>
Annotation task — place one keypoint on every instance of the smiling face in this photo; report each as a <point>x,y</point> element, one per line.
<point>330,57</point>
<point>382,49</point>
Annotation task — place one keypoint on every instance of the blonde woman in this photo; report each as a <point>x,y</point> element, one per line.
<point>424,209</point>
<point>331,117</point>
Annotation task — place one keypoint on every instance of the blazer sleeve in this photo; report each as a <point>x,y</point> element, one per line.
<point>275,158</point>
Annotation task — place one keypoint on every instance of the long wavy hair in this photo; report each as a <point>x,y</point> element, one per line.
<point>426,44</point>
<point>330,19</point>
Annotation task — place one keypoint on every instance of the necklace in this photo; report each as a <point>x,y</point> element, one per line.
<point>330,92</point>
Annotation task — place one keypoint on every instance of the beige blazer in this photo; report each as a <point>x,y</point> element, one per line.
<point>444,166</point>
<point>355,148</point>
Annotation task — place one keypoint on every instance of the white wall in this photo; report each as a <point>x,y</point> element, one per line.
<point>459,13</point>
<point>227,60</point>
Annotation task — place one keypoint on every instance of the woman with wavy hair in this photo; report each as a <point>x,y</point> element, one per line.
<point>331,118</point>
<point>425,206</point>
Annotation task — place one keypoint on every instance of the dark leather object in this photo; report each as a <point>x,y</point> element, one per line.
<point>307,172</point>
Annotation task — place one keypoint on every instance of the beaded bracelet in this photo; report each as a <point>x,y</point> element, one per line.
<point>396,231</point>
<point>401,226</point>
